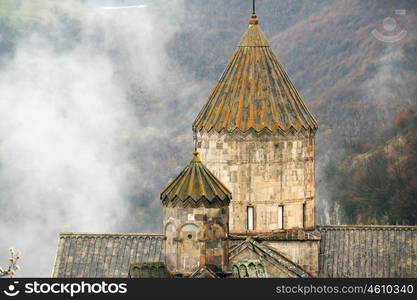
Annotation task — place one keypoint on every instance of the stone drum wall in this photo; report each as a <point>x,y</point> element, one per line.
<point>264,171</point>
<point>195,237</point>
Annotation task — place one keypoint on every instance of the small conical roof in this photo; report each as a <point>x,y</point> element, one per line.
<point>196,184</point>
<point>254,92</point>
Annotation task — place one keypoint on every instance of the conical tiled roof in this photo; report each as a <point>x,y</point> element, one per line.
<point>254,92</point>
<point>196,185</point>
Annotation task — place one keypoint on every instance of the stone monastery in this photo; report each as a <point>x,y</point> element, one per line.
<point>245,204</point>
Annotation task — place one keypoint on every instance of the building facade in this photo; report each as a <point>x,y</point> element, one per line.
<point>257,136</point>
<point>246,208</point>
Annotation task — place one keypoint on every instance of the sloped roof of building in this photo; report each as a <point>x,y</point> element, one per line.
<point>368,251</point>
<point>345,251</point>
<point>105,255</point>
<point>279,235</point>
<point>254,93</point>
<point>268,253</point>
<point>204,272</point>
<point>196,186</point>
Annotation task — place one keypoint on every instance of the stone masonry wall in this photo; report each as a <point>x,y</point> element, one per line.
<point>195,237</point>
<point>263,171</point>
<point>248,257</point>
<point>303,253</point>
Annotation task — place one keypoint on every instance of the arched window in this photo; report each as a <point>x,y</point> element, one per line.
<point>250,218</point>
<point>304,215</point>
<point>252,270</point>
<point>243,271</point>
<point>235,271</point>
<point>189,248</point>
<point>260,271</point>
<point>280,216</point>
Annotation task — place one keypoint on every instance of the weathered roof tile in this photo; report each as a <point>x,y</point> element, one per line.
<point>195,183</point>
<point>368,251</point>
<point>254,93</point>
<point>105,255</point>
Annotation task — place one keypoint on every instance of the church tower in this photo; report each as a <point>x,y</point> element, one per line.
<point>256,135</point>
<point>196,217</point>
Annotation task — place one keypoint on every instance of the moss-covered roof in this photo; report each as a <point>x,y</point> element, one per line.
<point>368,251</point>
<point>254,93</point>
<point>345,251</point>
<point>105,255</point>
<point>196,186</point>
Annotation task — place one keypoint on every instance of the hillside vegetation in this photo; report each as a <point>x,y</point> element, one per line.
<point>376,182</point>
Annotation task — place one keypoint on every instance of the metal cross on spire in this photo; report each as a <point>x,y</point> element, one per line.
<point>253,20</point>
<point>195,139</point>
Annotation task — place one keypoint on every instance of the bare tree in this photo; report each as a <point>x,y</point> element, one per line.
<point>13,267</point>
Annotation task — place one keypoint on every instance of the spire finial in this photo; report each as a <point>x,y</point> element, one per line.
<point>196,157</point>
<point>253,20</point>
<point>195,139</point>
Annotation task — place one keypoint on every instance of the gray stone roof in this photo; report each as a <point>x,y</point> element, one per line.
<point>345,251</point>
<point>104,255</point>
<point>281,235</point>
<point>368,251</point>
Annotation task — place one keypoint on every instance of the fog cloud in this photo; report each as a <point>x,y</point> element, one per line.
<point>88,96</point>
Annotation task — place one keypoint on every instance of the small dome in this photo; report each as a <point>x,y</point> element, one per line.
<point>196,186</point>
